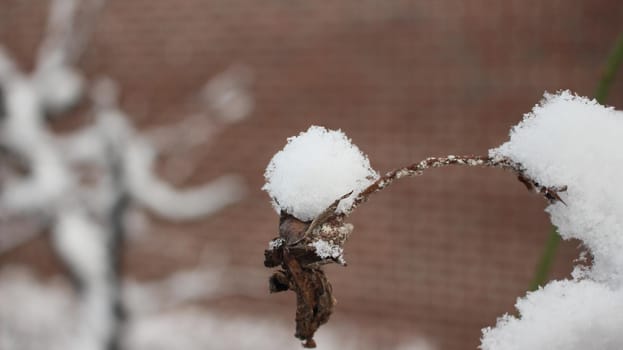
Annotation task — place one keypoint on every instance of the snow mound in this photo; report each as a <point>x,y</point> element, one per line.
<point>572,141</point>
<point>562,315</point>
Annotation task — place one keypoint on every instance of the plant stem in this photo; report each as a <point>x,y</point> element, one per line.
<point>416,169</point>
<point>601,93</point>
<point>612,66</point>
<point>547,260</point>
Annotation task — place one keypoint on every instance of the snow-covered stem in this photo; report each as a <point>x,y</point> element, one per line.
<point>417,169</point>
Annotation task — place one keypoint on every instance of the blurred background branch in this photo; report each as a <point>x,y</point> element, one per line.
<point>80,187</point>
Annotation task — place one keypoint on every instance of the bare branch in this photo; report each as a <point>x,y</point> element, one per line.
<point>182,136</point>
<point>551,193</point>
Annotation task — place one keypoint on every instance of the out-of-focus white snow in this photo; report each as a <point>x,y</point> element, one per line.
<point>59,87</point>
<point>24,132</point>
<point>227,94</point>
<point>82,243</point>
<point>572,141</point>
<point>72,184</point>
<point>169,202</point>
<point>313,170</point>
<point>36,315</point>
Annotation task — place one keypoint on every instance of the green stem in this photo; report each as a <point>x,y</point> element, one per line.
<point>601,93</point>
<point>610,70</point>
<point>547,260</point>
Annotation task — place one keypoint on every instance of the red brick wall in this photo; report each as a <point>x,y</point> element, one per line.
<point>442,255</point>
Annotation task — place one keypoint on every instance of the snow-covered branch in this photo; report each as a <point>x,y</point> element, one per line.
<point>551,193</point>
<point>566,149</point>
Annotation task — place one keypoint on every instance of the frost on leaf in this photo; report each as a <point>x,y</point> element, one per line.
<point>573,141</point>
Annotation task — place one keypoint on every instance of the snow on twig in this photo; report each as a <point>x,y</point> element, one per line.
<point>315,182</point>
<point>417,169</point>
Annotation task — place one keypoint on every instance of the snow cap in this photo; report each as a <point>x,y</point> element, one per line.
<point>313,170</point>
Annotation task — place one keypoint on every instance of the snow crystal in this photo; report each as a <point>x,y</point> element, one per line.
<point>326,250</point>
<point>572,141</point>
<point>313,170</point>
<point>275,243</point>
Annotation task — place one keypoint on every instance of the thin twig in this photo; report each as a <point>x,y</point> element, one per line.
<point>551,193</point>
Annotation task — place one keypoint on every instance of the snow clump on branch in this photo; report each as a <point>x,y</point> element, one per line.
<point>572,141</point>
<point>313,170</point>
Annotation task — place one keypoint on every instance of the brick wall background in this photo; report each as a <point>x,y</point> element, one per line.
<point>442,255</point>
